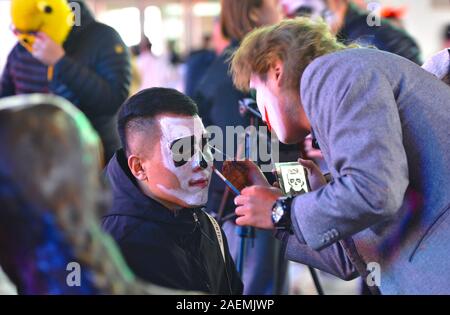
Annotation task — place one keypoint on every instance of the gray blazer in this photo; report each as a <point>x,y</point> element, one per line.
<point>383,125</point>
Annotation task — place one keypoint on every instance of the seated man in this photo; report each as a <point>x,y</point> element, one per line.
<point>160,183</point>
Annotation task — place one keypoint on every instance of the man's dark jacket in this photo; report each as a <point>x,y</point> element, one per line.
<point>94,75</point>
<point>177,251</point>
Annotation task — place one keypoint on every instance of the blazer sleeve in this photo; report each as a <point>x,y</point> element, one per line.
<point>332,259</point>
<point>356,119</point>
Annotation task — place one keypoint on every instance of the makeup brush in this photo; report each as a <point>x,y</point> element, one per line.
<point>220,152</point>
<point>227,182</point>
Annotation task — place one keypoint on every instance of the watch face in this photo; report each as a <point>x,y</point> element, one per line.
<point>277,213</point>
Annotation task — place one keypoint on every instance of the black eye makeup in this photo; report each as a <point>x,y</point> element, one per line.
<point>184,149</point>
<point>206,148</point>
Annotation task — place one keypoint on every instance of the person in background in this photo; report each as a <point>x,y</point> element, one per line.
<point>174,68</point>
<point>219,41</point>
<point>91,69</point>
<point>153,70</point>
<point>49,224</point>
<point>160,182</point>
<point>382,123</point>
<point>174,56</point>
<point>350,23</point>
<point>197,63</point>
<point>218,99</point>
<point>136,80</point>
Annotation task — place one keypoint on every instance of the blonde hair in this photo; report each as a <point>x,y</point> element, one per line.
<point>296,42</point>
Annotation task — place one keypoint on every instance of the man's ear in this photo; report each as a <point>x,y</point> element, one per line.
<point>278,70</point>
<point>135,166</point>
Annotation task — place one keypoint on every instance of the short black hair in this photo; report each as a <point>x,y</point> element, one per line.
<point>146,105</point>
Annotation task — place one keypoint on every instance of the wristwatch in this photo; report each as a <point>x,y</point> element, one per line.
<point>281,213</point>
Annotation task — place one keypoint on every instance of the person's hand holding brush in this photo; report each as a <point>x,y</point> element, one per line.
<point>255,203</point>
<point>248,178</point>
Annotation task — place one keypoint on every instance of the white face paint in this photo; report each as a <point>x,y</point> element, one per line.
<point>269,106</point>
<point>193,175</point>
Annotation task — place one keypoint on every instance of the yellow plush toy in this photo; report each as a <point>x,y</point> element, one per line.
<point>52,17</point>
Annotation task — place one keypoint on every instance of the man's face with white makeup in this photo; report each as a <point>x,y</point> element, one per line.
<point>178,167</point>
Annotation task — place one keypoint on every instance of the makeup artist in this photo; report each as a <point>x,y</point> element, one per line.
<point>382,124</point>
